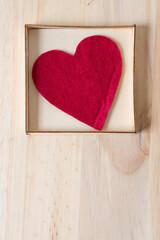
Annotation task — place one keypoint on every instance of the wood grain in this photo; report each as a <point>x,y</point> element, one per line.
<point>78,186</point>
<point>154,166</point>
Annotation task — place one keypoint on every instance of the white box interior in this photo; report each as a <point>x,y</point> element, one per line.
<point>45,117</point>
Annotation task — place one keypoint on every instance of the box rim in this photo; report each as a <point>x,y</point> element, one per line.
<point>26,80</point>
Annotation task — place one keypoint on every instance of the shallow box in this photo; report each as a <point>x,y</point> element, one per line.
<point>41,116</point>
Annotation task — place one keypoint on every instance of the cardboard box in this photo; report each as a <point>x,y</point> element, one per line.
<point>41,116</point>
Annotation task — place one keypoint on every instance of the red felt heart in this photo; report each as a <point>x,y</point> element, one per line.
<point>84,84</point>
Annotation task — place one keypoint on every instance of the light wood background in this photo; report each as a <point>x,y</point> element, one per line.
<point>79,187</point>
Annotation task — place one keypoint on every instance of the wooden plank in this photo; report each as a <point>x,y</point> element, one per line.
<point>154,166</point>
<point>78,187</point>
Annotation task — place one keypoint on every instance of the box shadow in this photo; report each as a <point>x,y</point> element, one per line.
<point>142,79</point>
<point>33,93</point>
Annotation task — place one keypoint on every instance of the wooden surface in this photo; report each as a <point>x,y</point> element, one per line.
<point>79,187</point>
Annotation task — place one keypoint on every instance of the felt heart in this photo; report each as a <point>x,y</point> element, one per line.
<point>84,84</point>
